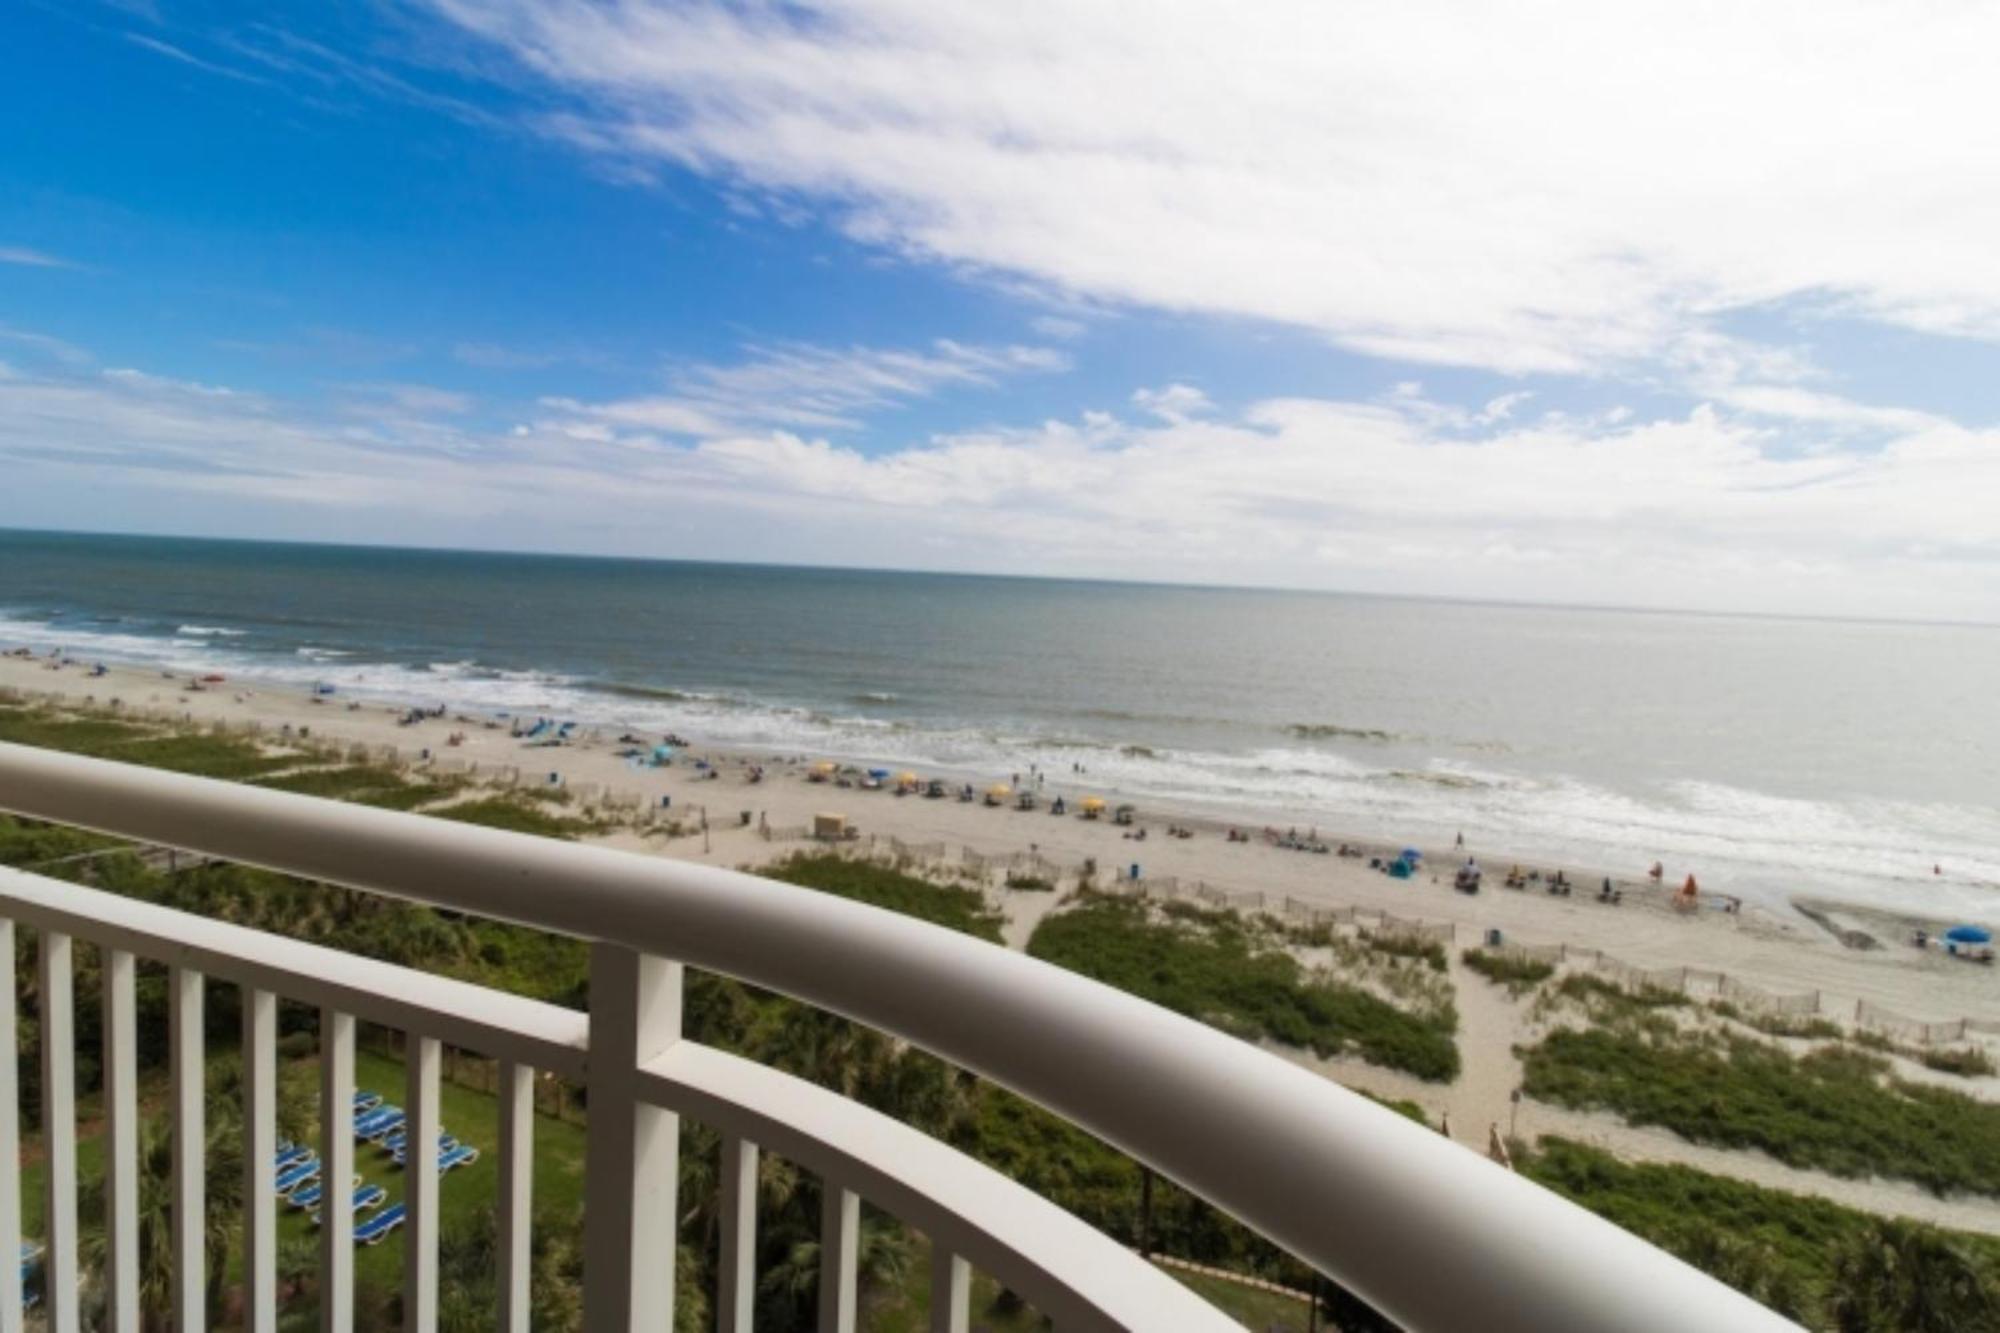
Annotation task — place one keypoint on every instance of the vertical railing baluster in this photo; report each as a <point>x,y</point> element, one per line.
<point>336,1126</point>
<point>260,1150</point>
<point>736,1285</point>
<point>633,1157</point>
<point>11,1308</point>
<point>190,1140</point>
<point>839,1257</point>
<point>55,981</point>
<point>420,1185</point>
<point>951,1291</point>
<point>121,1143</point>
<point>517,1179</point>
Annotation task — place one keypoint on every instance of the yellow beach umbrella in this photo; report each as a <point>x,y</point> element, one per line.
<point>1091,803</point>
<point>826,766</point>
<point>907,778</point>
<point>999,789</point>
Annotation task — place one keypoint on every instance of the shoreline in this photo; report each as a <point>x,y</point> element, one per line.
<point>1776,946</point>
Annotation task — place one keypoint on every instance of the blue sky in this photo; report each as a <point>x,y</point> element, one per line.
<point>1399,298</point>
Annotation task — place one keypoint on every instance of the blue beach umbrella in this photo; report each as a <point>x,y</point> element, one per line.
<point>1969,935</point>
<point>879,774</point>
<point>1412,855</point>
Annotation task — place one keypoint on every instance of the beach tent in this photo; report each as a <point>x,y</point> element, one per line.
<point>1399,869</point>
<point>1969,935</point>
<point>662,754</point>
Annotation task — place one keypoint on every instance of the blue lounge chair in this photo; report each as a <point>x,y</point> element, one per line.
<point>365,1101</point>
<point>398,1141</point>
<point>363,1198</point>
<point>377,1228</point>
<point>377,1121</point>
<point>291,1155</point>
<point>297,1176</point>
<point>380,1127</point>
<point>451,1154</point>
<point>308,1197</point>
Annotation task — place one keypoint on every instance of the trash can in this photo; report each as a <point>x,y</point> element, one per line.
<point>1493,938</point>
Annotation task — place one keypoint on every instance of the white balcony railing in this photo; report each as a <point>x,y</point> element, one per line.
<point>1433,1235</point>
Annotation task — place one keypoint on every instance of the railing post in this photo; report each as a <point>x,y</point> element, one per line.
<point>420,1185</point>
<point>951,1291</point>
<point>839,1257</point>
<point>121,1144</point>
<point>190,1140</point>
<point>632,1162</point>
<point>59,1289</point>
<point>517,1177</point>
<point>260,1148</point>
<point>736,1284</point>
<point>10,1139</point>
<point>336,1172</point>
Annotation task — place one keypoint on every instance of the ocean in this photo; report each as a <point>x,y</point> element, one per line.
<point>1772,756</point>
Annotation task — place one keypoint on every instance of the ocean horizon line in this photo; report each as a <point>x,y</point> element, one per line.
<point>997,576</point>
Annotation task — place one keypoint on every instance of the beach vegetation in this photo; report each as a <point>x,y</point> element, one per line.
<point>1519,975</point>
<point>1833,1109</point>
<point>506,811</point>
<point>954,907</point>
<point>1610,1000</point>
<point>1030,884</point>
<point>1964,1061</point>
<point>1429,952</point>
<point>1814,1261</point>
<point>1215,967</point>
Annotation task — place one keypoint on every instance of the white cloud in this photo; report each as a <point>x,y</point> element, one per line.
<point>803,386</point>
<point>1714,508</point>
<point>1058,326</point>
<point>1176,402</point>
<point>1559,187</point>
<point>24,257</point>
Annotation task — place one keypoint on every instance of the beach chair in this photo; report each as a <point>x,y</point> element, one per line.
<point>361,1200</point>
<point>308,1197</point>
<point>380,1127</point>
<point>365,1101</point>
<point>373,1121</point>
<point>377,1228</point>
<point>461,1155</point>
<point>291,1155</point>
<point>299,1175</point>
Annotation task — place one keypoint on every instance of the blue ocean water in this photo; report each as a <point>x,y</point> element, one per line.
<point>1773,755</point>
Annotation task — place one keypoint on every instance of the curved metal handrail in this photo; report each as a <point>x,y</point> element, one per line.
<point>1432,1235</point>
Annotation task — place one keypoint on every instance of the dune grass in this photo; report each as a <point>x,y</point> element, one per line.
<point>948,905</point>
<point>1213,967</point>
<point>1834,1109</point>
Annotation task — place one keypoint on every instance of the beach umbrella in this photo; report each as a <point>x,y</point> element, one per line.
<point>878,773</point>
<point>826,766</point>
<point>999,789</point>
<point>1091,803</point>
<point>1969,935</point>
<point>1412,855</point>
<point>906,779</point>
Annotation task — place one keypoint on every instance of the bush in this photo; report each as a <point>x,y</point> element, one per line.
<point>1518,975</point>
<point>1831,1110</point>
<point>1966,1062</point>
<point>956,908</point>
<point>1795,1254</point>
<point>1030,884</point>
<point>1208,966</point>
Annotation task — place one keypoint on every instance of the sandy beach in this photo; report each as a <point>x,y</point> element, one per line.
<point>726,819</point>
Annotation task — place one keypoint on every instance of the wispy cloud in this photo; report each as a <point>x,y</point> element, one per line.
<point>172,52</point>
<point>807,387</point>
<point>30,258</point>
<point>1423,180</point>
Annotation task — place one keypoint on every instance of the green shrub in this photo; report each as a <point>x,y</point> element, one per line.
<point>1518,975</point>
<point>1209,966</point>
<point>1831,1110</point>
<point>1794,1253</point>
<point>960,909</point>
